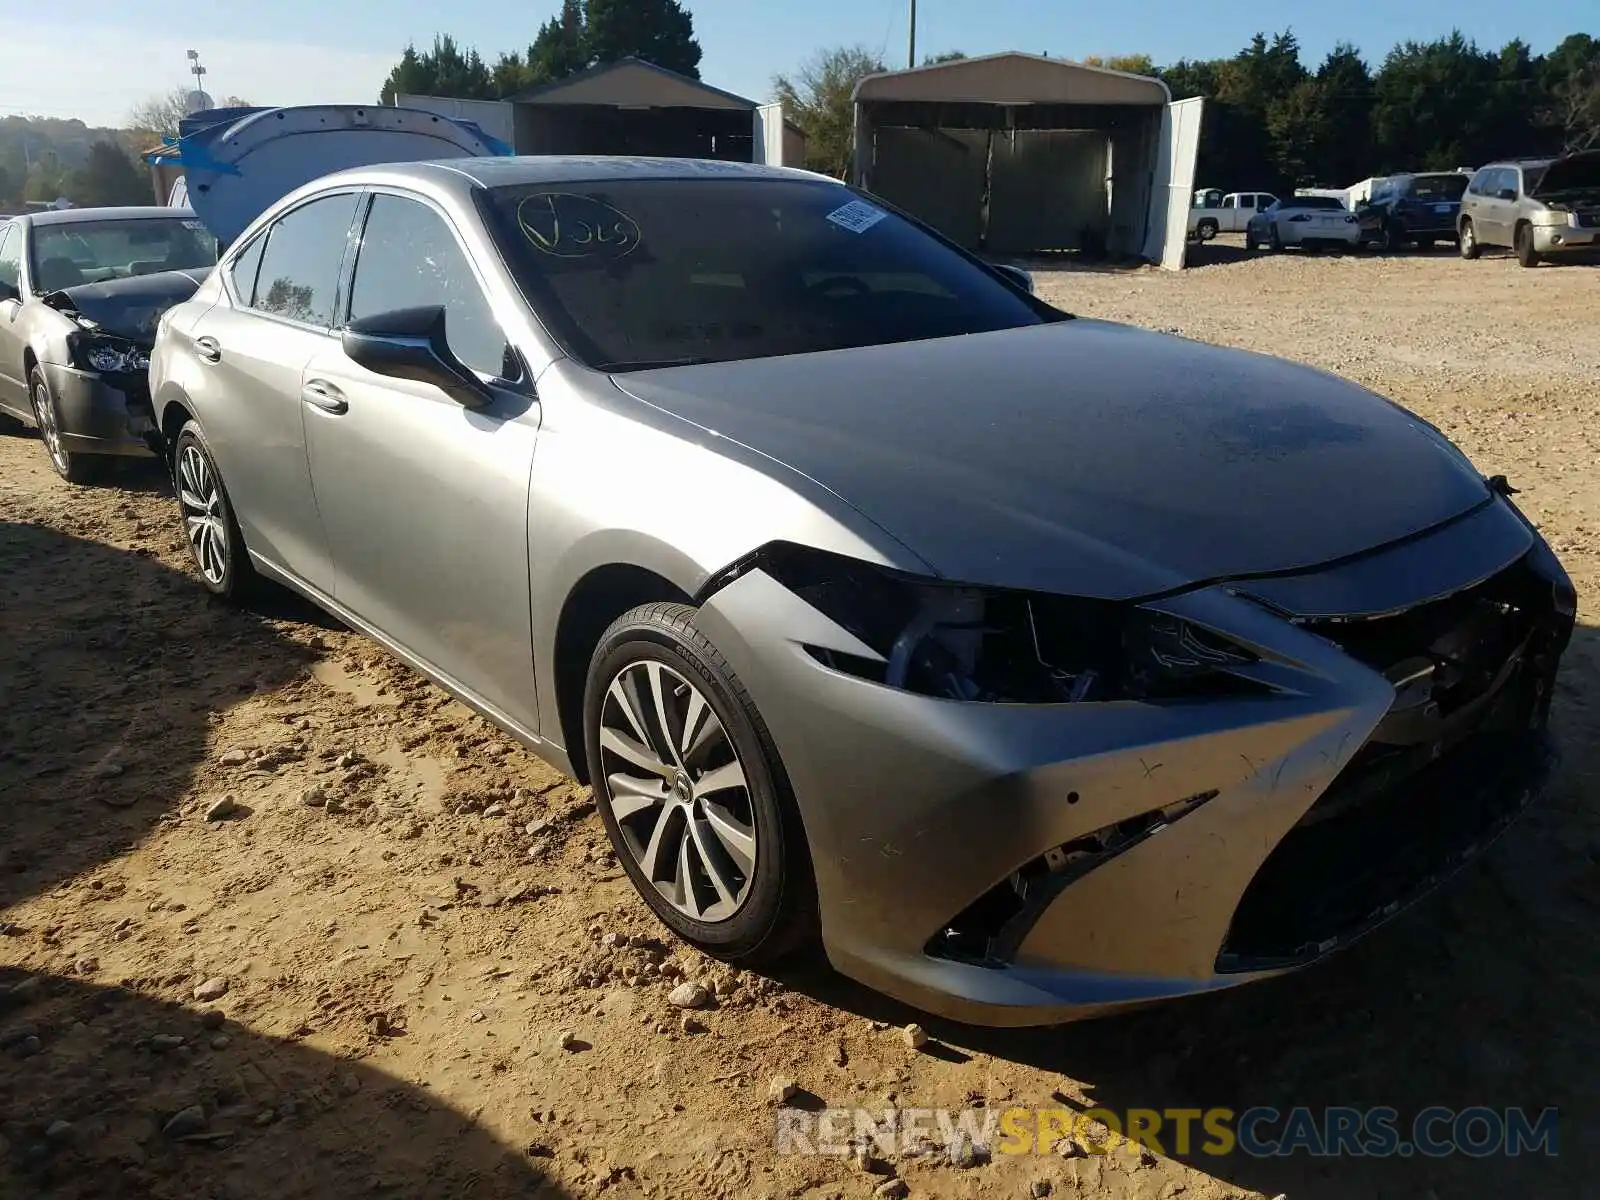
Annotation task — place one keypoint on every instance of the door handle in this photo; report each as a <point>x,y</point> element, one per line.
<point>325,396</point>
<point>208,349</point>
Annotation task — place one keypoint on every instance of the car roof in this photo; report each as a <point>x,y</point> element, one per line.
<point>508,171</point>
<point>74,216</point>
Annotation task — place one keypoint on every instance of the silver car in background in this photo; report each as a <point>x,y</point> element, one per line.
<point>1535,207</point>
<point>1038,665</point>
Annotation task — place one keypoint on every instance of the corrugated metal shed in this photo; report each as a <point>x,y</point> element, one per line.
<point>1015,153</point>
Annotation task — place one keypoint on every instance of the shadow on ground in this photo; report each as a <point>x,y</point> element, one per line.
<point>111,668</point>
<point>1487,994</point>
<point>107,1093</point>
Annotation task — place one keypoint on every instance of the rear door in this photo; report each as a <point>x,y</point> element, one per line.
<point>283,288</point>
<point>425,501</point>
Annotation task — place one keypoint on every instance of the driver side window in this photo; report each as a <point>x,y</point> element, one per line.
<point>409,258</point>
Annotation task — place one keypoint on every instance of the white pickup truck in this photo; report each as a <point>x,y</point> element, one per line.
<point>1213,212</point>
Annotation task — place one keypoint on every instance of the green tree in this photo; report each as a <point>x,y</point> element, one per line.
<point>1569,83</point>
<point>109,177</point>
<point>944,56</point>
<point>445,70</point>
<point>1346,85</point>
<point>820,100</point>
<point>658,31</point>
<point>1133,64</point>
<point>1433,104</point>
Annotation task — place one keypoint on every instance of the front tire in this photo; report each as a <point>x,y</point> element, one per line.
<point>1526,254</point>
<point>69,464</point>
<point>1468,242</point>
<point>1274,238</point>
<point>692,793</point>
<point>209,526</point>
<point>1389,239</point>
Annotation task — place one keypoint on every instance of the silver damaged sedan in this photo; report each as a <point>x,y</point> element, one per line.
<point>1035,665</point>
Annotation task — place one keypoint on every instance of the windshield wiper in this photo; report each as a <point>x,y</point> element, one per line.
<point>648,364</point>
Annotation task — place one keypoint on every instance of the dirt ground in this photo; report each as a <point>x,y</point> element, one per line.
<point>407,912</point>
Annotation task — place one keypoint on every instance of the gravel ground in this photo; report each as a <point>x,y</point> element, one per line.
<point>280,919</point>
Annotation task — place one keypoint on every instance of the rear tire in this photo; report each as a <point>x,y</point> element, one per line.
<point>731,875</point>
<point>1526,254</point>
<point>1467,243</point>
<point>1205,231</point>
<point>1389,238</point>
<point>210,528</point>
<point>1274,238</point>
<point>1250,242</point>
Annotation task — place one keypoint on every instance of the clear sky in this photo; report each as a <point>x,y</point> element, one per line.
<point>97,61</point>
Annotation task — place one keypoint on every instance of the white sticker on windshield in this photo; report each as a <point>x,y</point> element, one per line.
<point>857,216</point>
<point>194,225</point>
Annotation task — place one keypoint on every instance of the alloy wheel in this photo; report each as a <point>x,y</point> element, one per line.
<point>44,412</point>
<point>201,501</point>
<point>677,790</point>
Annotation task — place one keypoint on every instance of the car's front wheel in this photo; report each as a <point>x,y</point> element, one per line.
<point>209,525</point>
<point>1526,254</point>
<point>70,465</point>
<point>691,790</point>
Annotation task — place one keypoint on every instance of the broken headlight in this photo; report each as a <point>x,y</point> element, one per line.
<point>1004,646</point>
<point>110,356</point>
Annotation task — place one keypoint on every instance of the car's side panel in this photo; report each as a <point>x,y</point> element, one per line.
<point>424,504</point>
<point>617,481</point>
<point>249,403</point>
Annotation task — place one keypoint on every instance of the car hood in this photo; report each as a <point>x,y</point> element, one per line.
<point>1575,172</point>
<point>1086,457</point>
<point>127,308</point>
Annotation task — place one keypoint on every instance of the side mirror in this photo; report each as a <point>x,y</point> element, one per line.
<point>1507,193</point>
<point>410,343</point>
<point>1023,279</point>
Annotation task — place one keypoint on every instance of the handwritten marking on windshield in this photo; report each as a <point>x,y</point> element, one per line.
<point>567,225</point>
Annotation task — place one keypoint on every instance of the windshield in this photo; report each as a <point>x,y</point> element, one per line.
<point>1313,202</point>
<point>632,274</point>
<point>77,252</point>
<point>1439,187</point>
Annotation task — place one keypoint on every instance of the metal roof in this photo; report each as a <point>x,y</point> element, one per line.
<point>651,86</point>
<point>1012,78</point>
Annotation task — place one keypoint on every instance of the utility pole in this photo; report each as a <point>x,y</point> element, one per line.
<point>911,47</point>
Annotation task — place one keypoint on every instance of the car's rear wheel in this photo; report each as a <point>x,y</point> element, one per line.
<point>1526,254</point>
<point>1468,243</point>
<point>1250,242</point>
<point>1389,238</point>
<point>692,793</point>
<point>1274,238</point>
<point>69,464</point>
<point>209,525</point>
<point>1205,230</point>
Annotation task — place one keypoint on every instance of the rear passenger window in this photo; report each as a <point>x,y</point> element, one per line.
<point>243,271</point>
<point>299,271</point>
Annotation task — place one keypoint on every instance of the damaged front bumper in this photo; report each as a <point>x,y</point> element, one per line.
<point>1022,864</point>
<point>103,414</point>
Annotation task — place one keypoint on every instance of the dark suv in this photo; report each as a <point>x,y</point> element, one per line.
<point>1413,208</point>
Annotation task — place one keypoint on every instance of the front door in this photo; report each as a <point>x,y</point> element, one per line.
<point>425,501</point>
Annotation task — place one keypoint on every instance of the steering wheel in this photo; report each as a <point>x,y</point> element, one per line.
<point>849,284</point>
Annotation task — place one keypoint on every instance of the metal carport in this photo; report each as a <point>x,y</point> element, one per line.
<point>1014,153</point>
